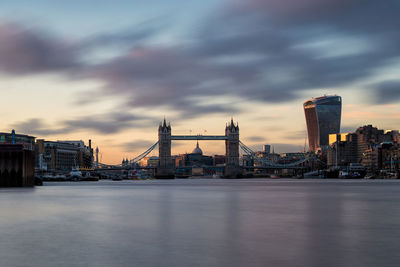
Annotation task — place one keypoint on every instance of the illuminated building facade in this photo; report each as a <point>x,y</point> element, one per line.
<point>323,117</point>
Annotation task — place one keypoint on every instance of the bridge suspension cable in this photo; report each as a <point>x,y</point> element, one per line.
<point>247,149</point>
<point>144,154</point>
<point>132,161</point>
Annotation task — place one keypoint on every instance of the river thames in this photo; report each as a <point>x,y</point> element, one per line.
<point>201,222</point>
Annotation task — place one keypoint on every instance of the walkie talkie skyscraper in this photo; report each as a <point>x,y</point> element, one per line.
<point>323,117</point>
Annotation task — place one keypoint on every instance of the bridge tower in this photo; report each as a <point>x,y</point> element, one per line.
<point>232,168</point>
<point>165,168</point>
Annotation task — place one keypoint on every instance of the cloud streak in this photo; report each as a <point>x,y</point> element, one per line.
<point>103,124</point>
<point>26,50</point>
<point>387,91</point>
<point>269,51</point>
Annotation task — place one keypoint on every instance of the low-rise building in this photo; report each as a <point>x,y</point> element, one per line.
<point>196,158</point>
<point>363,146</point>
<point>342,150</point>
<point>390,158</point>
<point>149,162</point>
<point>63,155</point>
<point>219,160</point>
<point>26,140</point>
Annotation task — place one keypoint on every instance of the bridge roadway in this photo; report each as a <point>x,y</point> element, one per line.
<point>199,137</point>
<point>273,167</point>
<point>119,168</point>
<point>115,168</point>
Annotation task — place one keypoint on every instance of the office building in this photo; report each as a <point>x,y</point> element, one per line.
<point>363,146</point>
<point>63,155</point>
<point>323,117</point>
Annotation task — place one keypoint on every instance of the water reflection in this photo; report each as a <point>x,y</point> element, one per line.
<point>202,223</point>
<point>325,242</point>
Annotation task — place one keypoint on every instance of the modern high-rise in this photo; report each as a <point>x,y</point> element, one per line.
<point>323,116</point>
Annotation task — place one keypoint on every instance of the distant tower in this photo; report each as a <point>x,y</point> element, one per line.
<point>323,117</point>
<point>91,154</point>
<point>232,168</point>
<point>97,157</point>
<point>165,167</point>
<point>13,137</point>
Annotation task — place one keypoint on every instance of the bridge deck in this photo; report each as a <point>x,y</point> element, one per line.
<point>199,137</point>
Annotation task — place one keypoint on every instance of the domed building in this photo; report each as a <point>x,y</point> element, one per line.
<point>197,150</point>
<point>196,158</point>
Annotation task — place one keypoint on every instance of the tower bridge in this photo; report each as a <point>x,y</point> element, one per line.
<point>232,168</point>
<point>165,137</point>
<point>199,137</point>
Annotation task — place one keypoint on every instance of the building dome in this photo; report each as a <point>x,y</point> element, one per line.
<point>197,150</point>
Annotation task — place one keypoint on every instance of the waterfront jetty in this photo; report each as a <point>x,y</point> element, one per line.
<point>16,166</point>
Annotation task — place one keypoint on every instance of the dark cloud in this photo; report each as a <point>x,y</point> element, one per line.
<point>100,126</point>
<point>288,55</point>
<point>26,50</point>
<point>270,51</point>
<point>256,138</point>
<point>38,128</point>
<point>348,14</point>
<point>129,36</point>
<point>295,135</point>
<point>191,109</point>
<point>268,117</point>
<point>258,57</point>
<point>388,91</point>
<point>109,123</point>
<point>103,124</point>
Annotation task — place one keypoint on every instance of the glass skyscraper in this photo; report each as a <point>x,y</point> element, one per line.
<point>323,116</point>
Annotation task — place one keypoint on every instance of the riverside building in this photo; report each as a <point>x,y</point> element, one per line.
<point>323,117</point>
<point>367,145</point>
<point>63,155</point>
<point>16,160</point>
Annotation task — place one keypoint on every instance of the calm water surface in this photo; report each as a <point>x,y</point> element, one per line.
<point>202,223</point>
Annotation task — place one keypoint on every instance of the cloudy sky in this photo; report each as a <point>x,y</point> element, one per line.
<point>111,70</point>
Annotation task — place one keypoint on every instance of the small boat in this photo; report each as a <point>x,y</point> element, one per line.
<point>75,175</point>
<point>137,175</point>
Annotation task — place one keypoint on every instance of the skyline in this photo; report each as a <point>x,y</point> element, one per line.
<point>77,75</point>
